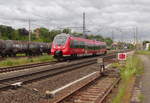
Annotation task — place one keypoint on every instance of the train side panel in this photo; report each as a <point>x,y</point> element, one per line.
<point>64,45</point>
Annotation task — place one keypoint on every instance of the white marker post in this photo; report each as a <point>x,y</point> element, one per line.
<point>100,62</point>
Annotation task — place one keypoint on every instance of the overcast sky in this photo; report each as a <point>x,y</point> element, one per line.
<point>101,15</point>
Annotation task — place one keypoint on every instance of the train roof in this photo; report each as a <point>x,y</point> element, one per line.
<point>83,39</point>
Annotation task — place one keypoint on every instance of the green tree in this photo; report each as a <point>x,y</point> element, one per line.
<point>109,41</point>
<point>44,34</point>
<point>144,42</point>
<point>67,31</point>
<point>16,35</point>
<point>6,31</point>
<point>53,33</point>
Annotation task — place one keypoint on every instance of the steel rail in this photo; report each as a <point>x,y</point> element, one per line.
<point>23,78</point>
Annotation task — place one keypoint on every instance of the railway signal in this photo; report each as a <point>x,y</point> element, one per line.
<point>122,56</point>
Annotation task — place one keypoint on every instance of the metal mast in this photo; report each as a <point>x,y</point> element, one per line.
<point>136,35</point>
<point>29,29</point>
<point>136,38</point>
<point>112,35</point>
<point>84,24</point>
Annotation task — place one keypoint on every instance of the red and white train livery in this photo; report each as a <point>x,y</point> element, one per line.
<point>67,45</point>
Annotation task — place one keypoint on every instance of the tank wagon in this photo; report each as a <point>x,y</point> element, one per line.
<point>65,45</point>
<point>9,48</point>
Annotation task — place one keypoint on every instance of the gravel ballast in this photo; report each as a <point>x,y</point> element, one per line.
<point>26,94</point>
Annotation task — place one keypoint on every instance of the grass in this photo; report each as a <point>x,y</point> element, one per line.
<point>25,60</point>
<point>141,97</point>
<point>120,95</point>
<point>143,52</point>
<point>21,55</point>
<point>133,67</point>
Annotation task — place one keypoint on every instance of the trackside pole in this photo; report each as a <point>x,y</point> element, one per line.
<point>100,62</point>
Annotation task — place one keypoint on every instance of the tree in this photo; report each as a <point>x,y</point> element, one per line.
<point>23,32</point>
<point>16,35</point>
<point>6,31</point>
<point>144,42</point>
<point>99,38</point>
<point>109,41</point>
<point>44,34</point>
<point>67,31</point>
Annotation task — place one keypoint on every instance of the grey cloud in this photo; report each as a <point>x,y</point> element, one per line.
<point>56,13</point>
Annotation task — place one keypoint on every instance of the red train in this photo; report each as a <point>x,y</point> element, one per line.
<point>66,45</point>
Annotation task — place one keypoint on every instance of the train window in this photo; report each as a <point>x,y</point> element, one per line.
<point>88,46</point>
<point>85,46</point>
<point>60,40</point>
<point>75,44</point>
<point>71,44</point>
<point>103,46</point>
<point>99,46</point>
<point>95,47</point>
<point>82,45</point>
<point>92,47</point>
<point>79,44</point>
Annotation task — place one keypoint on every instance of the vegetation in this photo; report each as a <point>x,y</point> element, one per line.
<point>144,42</point>
<point>108,40</point>
<point>21,61</point>
<point>42,34</point>
<point>122,45</point>
<point>145,45</point>
<point>133,67</point>
<point>143,52</point>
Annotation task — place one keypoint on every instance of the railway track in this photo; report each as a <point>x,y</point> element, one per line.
<point>30,66</point>
<point>18,78</point>
<point>27,66</point>
<point>95,90</point>
<point>13,79</point>
<point>96,93</point>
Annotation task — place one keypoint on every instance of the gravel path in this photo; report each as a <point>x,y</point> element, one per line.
<point>145,79</point>
<point>26,95</point>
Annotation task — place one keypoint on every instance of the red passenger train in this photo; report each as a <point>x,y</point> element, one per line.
<point>67,45</point>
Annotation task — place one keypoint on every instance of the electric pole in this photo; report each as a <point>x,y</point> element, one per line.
<point>84,24</point>
<point>136,34</point>
<point>29,30</point>
<point>112,35</point>
<point>136,37</point>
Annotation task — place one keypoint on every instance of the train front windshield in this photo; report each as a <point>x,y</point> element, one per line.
<point>60,40</point>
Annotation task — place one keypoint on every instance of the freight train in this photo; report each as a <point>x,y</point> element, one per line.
<point>66,45</point>
<point>9,48</point>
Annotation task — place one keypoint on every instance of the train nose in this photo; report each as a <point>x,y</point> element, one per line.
<point>58,53</point>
